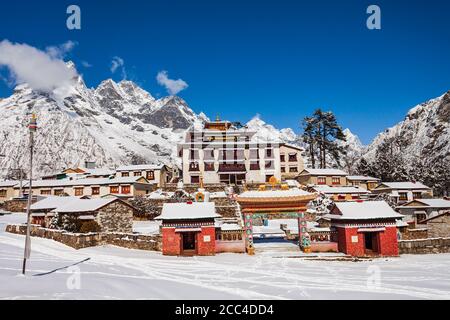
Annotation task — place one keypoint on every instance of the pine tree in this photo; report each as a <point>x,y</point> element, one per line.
<point>321,132</point>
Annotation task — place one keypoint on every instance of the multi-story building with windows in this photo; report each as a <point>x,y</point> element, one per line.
<point>222,153</point>
<point>291,159</point>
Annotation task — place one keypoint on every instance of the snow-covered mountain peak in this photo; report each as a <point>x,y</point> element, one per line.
<point>267,132</point>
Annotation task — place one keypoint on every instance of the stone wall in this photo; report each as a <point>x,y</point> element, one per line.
<point>413,234</point>
<point>15,205</point>
<point>193,187</point>
<point>433,245</point>
<point>116,217</point>
<point>80,241</point>
<point>439,226</point>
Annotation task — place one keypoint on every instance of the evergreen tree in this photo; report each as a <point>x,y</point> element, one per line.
<point>321,132</point>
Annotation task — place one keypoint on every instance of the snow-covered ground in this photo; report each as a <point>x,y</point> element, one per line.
<point>56,271</point>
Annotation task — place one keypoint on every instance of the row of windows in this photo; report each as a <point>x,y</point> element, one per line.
<point>291,158</point>
<point>94,191</point>
<point>150,175</point>
<point>228,236</point>
<point>2,193</point>
<point>323,180</point>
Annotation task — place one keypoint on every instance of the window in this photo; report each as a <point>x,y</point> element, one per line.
<point>195,179</point>
<point>125,174</point>
<point>336,180</point>
<point>59,192</point>
<point>420,217</point>
<point>293,169</point>
<point>193,166</point>
<point>209,166</point>
<point>402,196</point>
<point>114,189</point>
<point>268,177</point>
<point>321,180</point>
<point>293,157</point>
<point>43,192</point>
<point>150,175</point>
<point>254,166</point>
<point>126,189</point>
<point>3,193</point>
<point>341,197</point>
<point>79,192</point>
<point>269,153</point>
<point>283,169</point>
<point>417,195</point>
<point>268,165</point>
<point>138,174</point>
<point>282,158</point>
<point>95,191</point>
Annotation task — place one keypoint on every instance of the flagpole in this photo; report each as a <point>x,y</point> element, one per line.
<point>32,128</point>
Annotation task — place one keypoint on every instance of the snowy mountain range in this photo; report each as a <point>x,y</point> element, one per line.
<point>121,123</point>
<point>424,133</point>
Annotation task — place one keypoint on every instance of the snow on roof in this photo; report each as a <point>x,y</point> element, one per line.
<point>292,183</point>
<point>402,185</point>
<point>159,194</point>
<point>336,190</point>
<point>99,172</point>
<point>230,227</point>
<point>85,182</point>
<point>191,210</point>
<point>295,192</point>
<point>140,167</point>
<point>50,203</point>
<point>9,183</point>
<point>84,205</point>
<point>364,210</point>
<point>325,172</point>
<point>218,194</point>
<point>433,203</point>
<point>362,178</point>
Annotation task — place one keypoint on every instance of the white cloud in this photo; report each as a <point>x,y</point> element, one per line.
<point>118,63</point>
<point>59,52</point>
<point>86,64</point>
<point>172,86</point>
<point>41,70</point>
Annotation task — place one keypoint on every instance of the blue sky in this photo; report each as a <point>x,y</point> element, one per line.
<point>281,59</point>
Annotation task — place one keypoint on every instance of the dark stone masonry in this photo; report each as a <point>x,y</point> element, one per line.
<point>80,241</point>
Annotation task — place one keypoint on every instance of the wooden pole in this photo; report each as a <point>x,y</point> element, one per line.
<point>27,250</point>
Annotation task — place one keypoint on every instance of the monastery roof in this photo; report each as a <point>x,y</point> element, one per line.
<point>339,190</point>
<point>432,203</point>
<point>325,172</point>
<point>9,183</point>
<point>294,192</point>
<point>84,205</point>
<point>85,182</point>
<point>359,210</point>
<point>361,178</point>
<point>188,211</point>
<point>50,203</point>
<point>140,167</point>
<point>402,185</point>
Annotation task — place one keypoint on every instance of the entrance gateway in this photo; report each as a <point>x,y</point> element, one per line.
<point>289,203</point>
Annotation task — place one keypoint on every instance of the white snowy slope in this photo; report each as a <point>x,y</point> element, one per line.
<point>267,132</point>
<point>425,130</point>
<point>114,124</point>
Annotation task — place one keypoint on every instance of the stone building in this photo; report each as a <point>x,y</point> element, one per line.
<point>346,193</point>
<point>7,190</point>
<point>417,211</point>
<point>112,214</point>
<point>439,226</point>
